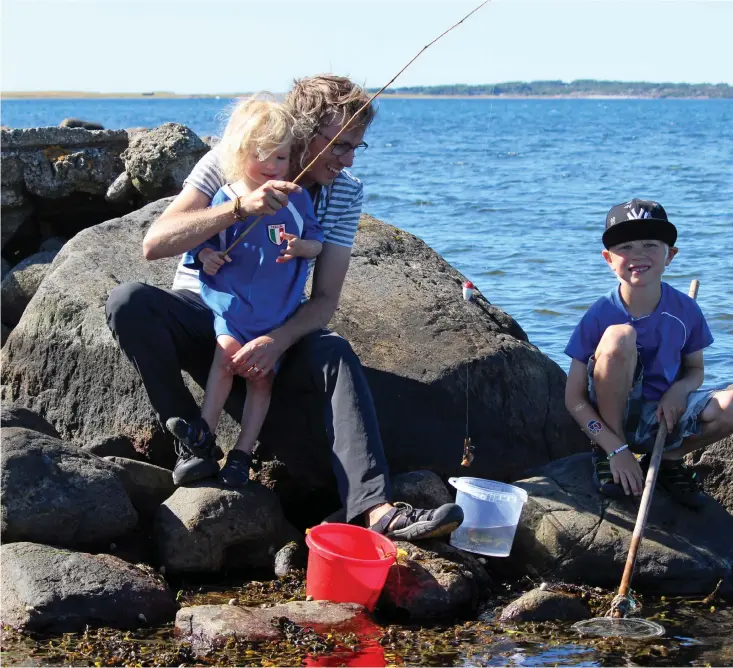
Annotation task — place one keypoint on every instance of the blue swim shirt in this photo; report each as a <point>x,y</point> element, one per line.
<point>674,329</point>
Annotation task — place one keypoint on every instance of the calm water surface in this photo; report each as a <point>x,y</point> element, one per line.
<point>514,193</point>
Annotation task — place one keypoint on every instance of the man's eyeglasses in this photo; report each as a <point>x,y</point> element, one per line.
<point>343,147</point>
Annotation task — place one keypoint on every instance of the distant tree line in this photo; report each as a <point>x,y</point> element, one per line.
<point>579,88</point>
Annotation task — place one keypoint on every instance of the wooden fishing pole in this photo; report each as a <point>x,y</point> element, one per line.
<point>619,607</point>
<point>356,115</point>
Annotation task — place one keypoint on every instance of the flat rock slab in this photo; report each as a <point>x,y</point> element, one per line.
<point>569,532</point>
<point>714,467</point>
<point>59,494</point>
<point>433,580</point>
<point>56,590</point>
<point>212,624</point>
<point>544,606</point>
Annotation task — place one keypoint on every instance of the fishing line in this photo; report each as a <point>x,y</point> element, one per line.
<point>351,120</point>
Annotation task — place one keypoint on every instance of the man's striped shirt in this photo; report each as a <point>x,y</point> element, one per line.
<point>339,207</point>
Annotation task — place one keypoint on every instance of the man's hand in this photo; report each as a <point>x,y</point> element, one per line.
<point>627,472</point>
<point>672,405</point>
<point>257,358</point>
<point>267,199</point>
<point>213,260</point>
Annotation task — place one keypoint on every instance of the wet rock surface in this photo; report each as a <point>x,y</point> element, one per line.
<point>213,624</point>
<point>432,580</point>
<point>205,527</point>
<point>50,589</point>
<point>539,605</point>
<point>569,532</point>
<point>58,494</point>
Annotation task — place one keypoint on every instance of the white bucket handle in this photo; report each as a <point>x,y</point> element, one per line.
<point>484,495</point>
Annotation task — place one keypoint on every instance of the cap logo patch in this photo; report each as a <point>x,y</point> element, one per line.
<point>636,215</point>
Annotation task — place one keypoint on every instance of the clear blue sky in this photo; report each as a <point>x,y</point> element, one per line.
<point>214,46</point>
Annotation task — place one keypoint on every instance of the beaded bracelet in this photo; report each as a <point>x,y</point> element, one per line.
<point>617,450</point>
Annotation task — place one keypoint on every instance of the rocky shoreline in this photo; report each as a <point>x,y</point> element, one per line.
<point>94,532</point>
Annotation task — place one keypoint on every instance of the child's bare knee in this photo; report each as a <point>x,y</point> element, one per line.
<point>725,401</point>
<point>618,341</point>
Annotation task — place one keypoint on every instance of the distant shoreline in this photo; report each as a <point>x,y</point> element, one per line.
<point>80,95</point>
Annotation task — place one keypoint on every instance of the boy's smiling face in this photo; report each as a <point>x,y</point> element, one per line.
<point>640,262</point>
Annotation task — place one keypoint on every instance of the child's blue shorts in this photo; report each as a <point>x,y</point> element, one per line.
<point>640,419</point>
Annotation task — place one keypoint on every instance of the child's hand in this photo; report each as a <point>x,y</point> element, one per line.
<point>627,472</point>
<point>672,405</point>
<point>294,248</point>
<point>212,260</point>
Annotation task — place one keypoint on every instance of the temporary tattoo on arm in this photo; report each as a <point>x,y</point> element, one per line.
<point>595,427</point>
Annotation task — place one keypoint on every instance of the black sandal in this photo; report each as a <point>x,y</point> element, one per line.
<point>235,472</point>
<point>403,522</point>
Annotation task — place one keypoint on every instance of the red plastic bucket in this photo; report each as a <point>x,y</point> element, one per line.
<point>347,564</point>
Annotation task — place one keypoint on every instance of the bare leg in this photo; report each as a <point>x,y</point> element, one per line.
<point>219,382</point>
<point>717,423</point>
<point>613,375</point>
<point>256,405</point>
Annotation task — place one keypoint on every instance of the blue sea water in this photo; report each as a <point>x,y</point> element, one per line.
<point>514,193</point>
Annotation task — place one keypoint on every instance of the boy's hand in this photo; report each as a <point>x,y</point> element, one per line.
<point>212,260</point>
<point>672,405</point>
<point>293,249</point>
<point>627,472</point>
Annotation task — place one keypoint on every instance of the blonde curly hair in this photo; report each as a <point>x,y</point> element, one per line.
<point>321,100</point>
<point>258,124</point>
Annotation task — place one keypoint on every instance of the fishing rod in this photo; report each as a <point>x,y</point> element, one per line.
<point>351,120</point>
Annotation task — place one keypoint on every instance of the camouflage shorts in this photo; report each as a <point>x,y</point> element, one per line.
<point>640,419</point>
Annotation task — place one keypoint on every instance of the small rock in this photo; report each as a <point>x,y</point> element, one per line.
<point>112,547</point>
<point>142,618</point>
<point>232,601</point>
<point>541,606</point>
<point>308,598</point>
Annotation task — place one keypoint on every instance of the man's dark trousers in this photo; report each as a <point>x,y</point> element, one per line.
<point>164,331</point>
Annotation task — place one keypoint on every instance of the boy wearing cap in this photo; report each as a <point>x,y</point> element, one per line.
<point>637,358</point>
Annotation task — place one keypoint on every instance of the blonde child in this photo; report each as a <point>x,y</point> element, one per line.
<point>260,284</point>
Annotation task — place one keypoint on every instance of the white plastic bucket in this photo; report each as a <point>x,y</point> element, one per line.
<point>491,513</point>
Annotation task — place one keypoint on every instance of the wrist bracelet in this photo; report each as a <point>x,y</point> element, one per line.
<point>625,446</point>
<point>235,210</point>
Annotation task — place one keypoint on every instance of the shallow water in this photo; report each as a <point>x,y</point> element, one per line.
<point>697,635</point>
<point>514,193</point>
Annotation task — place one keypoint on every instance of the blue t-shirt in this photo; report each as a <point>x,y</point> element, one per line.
<point>674,329</point>
<point>253,294</point>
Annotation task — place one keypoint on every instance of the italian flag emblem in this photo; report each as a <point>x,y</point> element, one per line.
<point>276,233</point>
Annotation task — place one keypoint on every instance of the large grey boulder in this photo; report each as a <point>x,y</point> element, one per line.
<point>433,580</point>
<point>18,416</point>
<point>21,283</point>
<point>49,589</point>
<point>147,485</point>
<point>157,161</point>
<point>714,467</point>
<point>401,308</point>
<point>54,180</point>
<point>205,527</point>
<point>58,494</point>
<point>569,532</point>
<point>53,162</point>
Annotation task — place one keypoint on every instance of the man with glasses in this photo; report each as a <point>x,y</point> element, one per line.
<point>164,331</point>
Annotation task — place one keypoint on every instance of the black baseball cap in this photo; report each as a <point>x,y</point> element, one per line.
<point>638,219</point>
